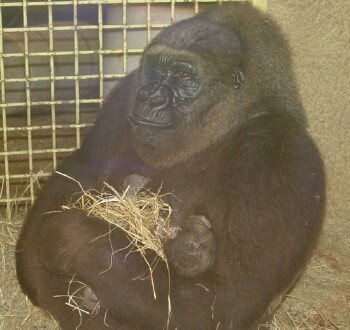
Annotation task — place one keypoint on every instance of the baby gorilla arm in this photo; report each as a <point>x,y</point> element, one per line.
<point>192,251</point>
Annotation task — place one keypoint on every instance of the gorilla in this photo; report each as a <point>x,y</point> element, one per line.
<point>213,116</point>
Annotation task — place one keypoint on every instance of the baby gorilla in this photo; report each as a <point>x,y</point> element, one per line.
<point>193,251</point>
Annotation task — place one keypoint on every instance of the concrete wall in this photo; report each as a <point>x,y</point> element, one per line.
<point>319,35</point>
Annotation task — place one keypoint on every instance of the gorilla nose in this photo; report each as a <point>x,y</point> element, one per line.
<point>160,96</point>
<point>157,101</point>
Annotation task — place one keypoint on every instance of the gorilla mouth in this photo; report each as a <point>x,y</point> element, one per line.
<point>148,123</point>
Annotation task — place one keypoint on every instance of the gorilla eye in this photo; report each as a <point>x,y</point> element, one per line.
<point>183,71</point>
<point>183,74</point>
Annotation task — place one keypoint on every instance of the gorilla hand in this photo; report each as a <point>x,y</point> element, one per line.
<point>192,251</point>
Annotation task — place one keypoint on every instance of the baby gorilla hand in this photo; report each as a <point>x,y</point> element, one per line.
<point>192,251</point>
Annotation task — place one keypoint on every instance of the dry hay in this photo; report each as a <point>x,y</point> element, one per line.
<point>141,214</point>
<point>320,300</point>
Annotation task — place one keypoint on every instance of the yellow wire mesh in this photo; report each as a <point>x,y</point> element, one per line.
<point>57,62</point>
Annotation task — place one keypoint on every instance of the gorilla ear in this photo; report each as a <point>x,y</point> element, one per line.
<point>238,80</point>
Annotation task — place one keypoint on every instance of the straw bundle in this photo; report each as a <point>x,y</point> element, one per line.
<point>140,213</point>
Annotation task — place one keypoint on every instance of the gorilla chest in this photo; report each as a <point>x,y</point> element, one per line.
<point>193,187</point>
<point>191,191</point>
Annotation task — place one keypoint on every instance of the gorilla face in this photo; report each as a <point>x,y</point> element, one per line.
<point>182,77</point>
<point>176,92</point>
<point>170,84</point>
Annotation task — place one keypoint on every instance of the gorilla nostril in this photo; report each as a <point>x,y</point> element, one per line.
<point>158,100</point>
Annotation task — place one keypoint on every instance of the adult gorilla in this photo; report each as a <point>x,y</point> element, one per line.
<point>212,115</point>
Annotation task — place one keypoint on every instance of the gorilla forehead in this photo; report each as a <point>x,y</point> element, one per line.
<point>196,35</point>
<point>163,53</point>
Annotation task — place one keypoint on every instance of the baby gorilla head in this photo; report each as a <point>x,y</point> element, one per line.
<point>192,252</point>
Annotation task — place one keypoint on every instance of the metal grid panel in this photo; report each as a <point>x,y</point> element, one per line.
<point>56,65</point>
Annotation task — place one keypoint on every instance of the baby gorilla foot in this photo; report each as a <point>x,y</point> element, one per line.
<point>90,301</point>
<point>192,251</point>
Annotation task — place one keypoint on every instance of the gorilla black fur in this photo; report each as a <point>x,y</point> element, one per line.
<point>213,115</point>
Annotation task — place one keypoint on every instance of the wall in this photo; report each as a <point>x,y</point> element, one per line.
<point>319,35</point>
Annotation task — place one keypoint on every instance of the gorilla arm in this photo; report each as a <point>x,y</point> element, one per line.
<point>276,195</point>
<point>100,259</point>
<point>70,243</point>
